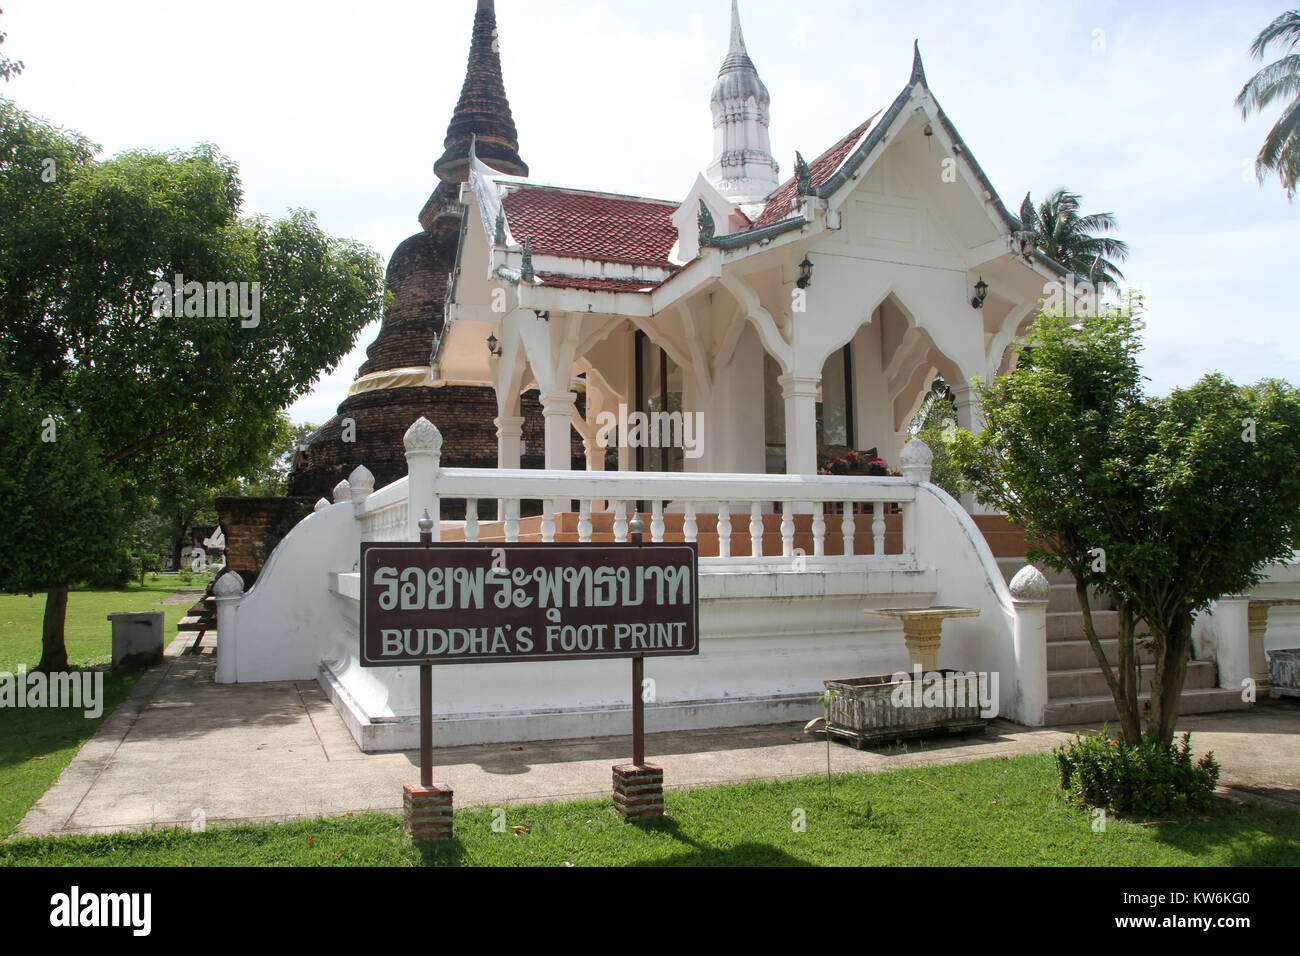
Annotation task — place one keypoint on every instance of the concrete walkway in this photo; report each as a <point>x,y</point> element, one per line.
<point>182,746</point>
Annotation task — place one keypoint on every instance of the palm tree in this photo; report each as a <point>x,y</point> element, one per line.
<point>1064,236</point>
<point>1280,80</point>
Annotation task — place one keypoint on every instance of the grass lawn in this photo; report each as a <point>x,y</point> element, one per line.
<point>35,745</point>
<point>993,812</point>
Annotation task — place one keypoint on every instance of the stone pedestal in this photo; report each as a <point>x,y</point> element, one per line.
<point>639,791</point>
<point>426,812</point>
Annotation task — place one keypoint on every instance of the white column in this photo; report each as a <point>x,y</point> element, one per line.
<point>800,424</point>
<point>510,441</point>
<point>970,416</point>
<point>423,444</point>
<point>228,592</point>
<point>1231,619</point>
<point>1029,593</point>
<point>510,449</point>
<point>557,409</point>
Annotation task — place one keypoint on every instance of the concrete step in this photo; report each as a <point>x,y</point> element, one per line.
<point>1068,625</point>
<point>1063,597</point>
<point>1066,655</point>
<point>1087,682</point>
<point>1091,710</point>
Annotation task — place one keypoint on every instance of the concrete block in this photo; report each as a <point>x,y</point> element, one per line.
<point>137,638</point>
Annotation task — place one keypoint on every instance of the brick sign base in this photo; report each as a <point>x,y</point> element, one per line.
<point>426,812</point>
<point>638,791</point>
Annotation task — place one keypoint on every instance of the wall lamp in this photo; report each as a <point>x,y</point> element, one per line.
<point>981,293</point>
<point>805,273</point>
<point>493,347</point>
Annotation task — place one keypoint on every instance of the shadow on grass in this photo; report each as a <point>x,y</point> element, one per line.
<point>1253,834</point>
<point>743,854</point>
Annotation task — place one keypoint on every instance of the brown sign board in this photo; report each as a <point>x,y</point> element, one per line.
<point>494,603</point>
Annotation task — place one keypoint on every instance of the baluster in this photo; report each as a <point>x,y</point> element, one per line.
<point>724,529</point>
<point>548,520</point>
<point>878,528</point>
<point>819,530</point>
<point>656,521</point>
<point>847,528</point>
<point>787,529</point>
<point>584,520</point>
<point>512,520</point>
<point>471,520</point>
<point>756,529</point>
<point>620,521</point>
<point>690,529</point>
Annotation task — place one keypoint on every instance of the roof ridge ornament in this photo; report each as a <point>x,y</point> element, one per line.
<point>707,226</point>
<point>803,174</point>
<point>526,273</point>
<point>918,68</point>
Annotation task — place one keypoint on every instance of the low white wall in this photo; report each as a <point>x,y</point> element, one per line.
<point>288,617</point>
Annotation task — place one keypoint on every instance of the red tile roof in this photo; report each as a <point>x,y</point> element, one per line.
<point>595,285</point>
<point>823,168</point>
<point>583,225</point>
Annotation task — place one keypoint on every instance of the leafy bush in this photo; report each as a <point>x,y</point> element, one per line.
<point>1147,777</point>
<point>185,575</point>
<point>113,574</point>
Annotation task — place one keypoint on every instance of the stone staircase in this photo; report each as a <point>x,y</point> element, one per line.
<point>1076,689</point>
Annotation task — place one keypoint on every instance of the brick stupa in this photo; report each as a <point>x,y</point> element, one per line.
<point>393,388</point>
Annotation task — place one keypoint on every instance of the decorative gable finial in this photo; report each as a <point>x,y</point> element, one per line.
<point>526,270</point>
<point>707,226</point>
<point>500,237</point>
<point>918,70</point>
<point>1028,220</point>
<point>802,175</point>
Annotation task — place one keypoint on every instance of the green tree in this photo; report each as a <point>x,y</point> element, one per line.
<point>192,397</point>
<point>1074,241</point>
<point>63,514</point>
<point>1166,503</point>
<point>8,68</point>
<point>934,424</point>
<point>1278,81</point>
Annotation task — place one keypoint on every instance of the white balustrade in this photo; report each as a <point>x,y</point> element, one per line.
<point>801,501</point>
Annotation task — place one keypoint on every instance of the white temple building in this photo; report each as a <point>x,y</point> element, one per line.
<point>780,321</point>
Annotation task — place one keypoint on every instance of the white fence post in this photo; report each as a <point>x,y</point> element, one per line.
<point>227,592</point>
<point>423,444</point>
<point>1029,593</point>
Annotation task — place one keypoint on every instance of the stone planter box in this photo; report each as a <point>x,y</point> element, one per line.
<point>864,710</point>
<point>1284,672</point>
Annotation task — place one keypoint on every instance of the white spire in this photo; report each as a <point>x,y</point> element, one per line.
<point>743,168</point>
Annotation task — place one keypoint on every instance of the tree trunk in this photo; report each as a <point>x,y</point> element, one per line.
<point>1129,686</point>
<point>1167,681</point>
<point>54,652</point>
<point>178,543</point>
<point>1115,685</point>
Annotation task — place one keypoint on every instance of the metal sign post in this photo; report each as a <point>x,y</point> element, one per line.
<point>436,603</point>
<point>635,526</point>
<point>426,688</point>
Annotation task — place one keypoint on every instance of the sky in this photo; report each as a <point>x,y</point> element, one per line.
<point>342,108</point>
